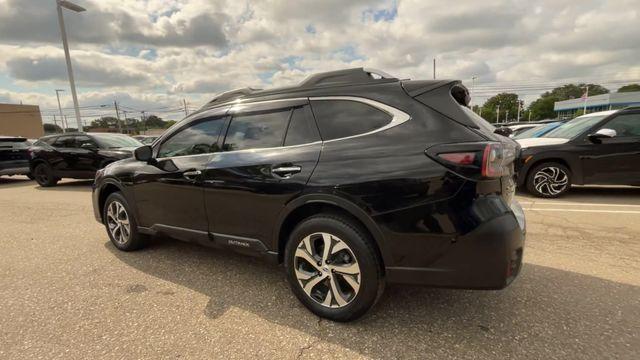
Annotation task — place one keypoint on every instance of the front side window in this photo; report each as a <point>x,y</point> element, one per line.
<point>115,141</point>
<point>85,140</point>
<point>627,125</point>
<point>257,130</point>
<point>198,138</point>
<point>343,118</point>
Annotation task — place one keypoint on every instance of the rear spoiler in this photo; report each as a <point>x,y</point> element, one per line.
<point>447,97</point>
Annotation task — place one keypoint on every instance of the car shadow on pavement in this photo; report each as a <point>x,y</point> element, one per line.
<point>11,182</point>
<point>545,313</point>
<point>625,195</point>
<point>76,185</point>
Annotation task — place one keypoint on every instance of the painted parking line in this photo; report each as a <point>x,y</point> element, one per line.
<point>585,210</point>
<point>559,203</point>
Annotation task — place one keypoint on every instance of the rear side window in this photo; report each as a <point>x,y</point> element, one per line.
<point>257,130</point>
<point>302,127</point>
<point>201,137</point>
<point>342,118</point>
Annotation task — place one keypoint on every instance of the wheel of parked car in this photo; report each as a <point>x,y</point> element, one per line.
<point>549,180</point>
<point>121,223</point>
<point>43,175</point>
<point>333,267</point>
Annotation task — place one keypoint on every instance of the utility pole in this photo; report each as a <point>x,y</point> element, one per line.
<point>434,68</point>
<point>73,7</point>
<point>506,116</point>
<point>144,123</point>
<point>498,113</point>
<point>115,104</point>
<point>186,111</point>
<point>519,104</point>
<point>586,96</point>
<point>480,111</point>
<point>473,84</point>
<point>529,114</point>
<point>59,108</point>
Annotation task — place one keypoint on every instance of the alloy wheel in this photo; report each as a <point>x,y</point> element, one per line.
<point>550,181</point>
<point>327,270</point>
<point>118,222</point>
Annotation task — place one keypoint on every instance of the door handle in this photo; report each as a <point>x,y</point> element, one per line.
<point>286,171</point>
<point>191,174</point>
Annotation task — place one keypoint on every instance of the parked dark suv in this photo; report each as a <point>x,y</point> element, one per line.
<point>77,155</point>
<point>597,148</point>
<point>14,156</point>
<point>351,179</point>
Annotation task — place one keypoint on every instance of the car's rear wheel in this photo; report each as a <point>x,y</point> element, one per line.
<point>333,268</point>
<point>43,175</point>
<point>121,223</point>
<point>549,180</point>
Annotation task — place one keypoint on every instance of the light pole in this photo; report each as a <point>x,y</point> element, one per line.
<point>73,7</point>
<point>473,84</point>
<point>60,108</point>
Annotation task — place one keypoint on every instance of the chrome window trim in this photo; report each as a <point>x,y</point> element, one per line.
<point>397,116</point>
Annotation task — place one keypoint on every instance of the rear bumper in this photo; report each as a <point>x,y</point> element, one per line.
<point>490,257</point>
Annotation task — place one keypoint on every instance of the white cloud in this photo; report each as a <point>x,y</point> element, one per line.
<point>155,52</point>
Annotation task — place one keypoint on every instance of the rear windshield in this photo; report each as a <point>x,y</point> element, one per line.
<point>478,120</point>
<point>574,127</point>
<point>14,143</point>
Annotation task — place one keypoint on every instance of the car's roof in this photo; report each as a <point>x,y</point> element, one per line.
<point>12,138</point>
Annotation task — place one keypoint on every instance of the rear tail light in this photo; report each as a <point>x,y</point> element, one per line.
<point>485,160</point>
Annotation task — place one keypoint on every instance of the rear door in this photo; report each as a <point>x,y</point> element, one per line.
<point>88,160</point>
<point>614,160</point>
<point>269,152</point>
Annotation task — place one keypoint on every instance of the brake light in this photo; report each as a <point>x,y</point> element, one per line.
<point>492,161</point>
<point>462,158</point>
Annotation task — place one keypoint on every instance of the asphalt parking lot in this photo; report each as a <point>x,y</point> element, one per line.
<point>65,292</point>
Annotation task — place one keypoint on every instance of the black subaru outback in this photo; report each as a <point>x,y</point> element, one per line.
<point>351,179</point>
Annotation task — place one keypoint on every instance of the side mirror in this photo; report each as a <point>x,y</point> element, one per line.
<point>88,146</point>
<point>503,130</point>
<point>143,153</point>
<point>602,134</point>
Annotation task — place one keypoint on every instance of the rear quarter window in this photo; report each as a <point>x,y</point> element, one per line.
<point>343,118</point>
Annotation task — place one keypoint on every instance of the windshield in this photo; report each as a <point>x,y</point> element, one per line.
<point>114,141</point>
<point>574,127</point>
<point>529,133</point>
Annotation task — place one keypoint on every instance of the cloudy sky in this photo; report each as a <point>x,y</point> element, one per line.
<point>152,54</point>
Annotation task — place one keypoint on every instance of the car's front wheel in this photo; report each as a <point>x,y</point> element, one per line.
<point>121,223</point>
<point>43,175</point>
<point>333,268</point>
<point>549,180</point>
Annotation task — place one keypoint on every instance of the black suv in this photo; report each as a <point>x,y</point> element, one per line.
<point>598,148</point>
<point>77,155</point>
<point>351,179</point>
<point>14,156</point>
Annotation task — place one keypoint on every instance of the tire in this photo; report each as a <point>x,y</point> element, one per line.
<point>43,175</point>
<point>121,224</point>
<point>333,290</point>
<point>549,180</point>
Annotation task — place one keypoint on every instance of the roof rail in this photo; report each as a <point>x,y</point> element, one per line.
<point>232,94</point>
<point>347,76</point>
<point>632,107</point>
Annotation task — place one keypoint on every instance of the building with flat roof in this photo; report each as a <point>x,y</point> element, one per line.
<point>21,120</point>
<point>567,109</point>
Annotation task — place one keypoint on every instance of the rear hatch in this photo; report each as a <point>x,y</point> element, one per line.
<point>14,152</point>
<point>493,158</point>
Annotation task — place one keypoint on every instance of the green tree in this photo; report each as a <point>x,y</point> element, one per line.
<point>104,122</point>
<point>506,102</point>
<point>51,128</point>
<point>154,122</point>
<point>629,88</point>
<point>169,123</point>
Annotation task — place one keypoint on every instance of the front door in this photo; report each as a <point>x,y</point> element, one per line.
<point>615,160</point>
<point>168,192</point>
<point>268,155</point>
